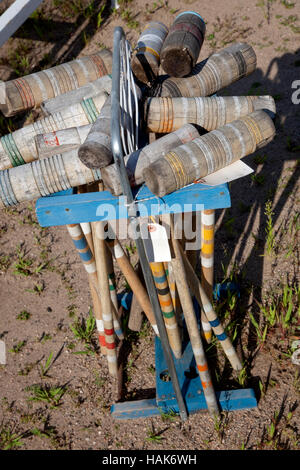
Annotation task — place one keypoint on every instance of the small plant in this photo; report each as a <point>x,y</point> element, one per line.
<point>23,315</point>
<point>22,266</point>
<point>270,239</point>
<point>258,179</point>
<point>260,332</point>
<point>153,436</point>
<point>9,440</point>
<point>169,415</point>
<point>100,19</point>
<point>243,377</point>
<point>83,331</point>
<point>17,347</point>
<point>44,369</point>
<point>220,424</point>
<point>45,337</point>
<point>259,159</point>
<point>46,393</point>
<point>37,288</point>
<point>71,310</point>
<point>288,4</point>
<point>4,263</point>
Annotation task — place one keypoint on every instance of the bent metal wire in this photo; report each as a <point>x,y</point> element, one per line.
<point>124,110</point>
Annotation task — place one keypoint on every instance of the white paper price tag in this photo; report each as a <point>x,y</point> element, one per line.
<point>157,244</point>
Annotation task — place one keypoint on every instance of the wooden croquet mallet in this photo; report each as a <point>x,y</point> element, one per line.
<point>133,281</point>
<point>106,303</point>
<point>192,326</point>
<point>205,303</point>
<point>166,304</point>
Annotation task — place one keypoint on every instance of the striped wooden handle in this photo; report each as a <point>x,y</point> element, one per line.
<point>219,70</point>
<point>44,177</point>
<point>211,315</point>
<point>88,261</point>
<point>182,46</point>
<point>193,330</point>
<point>30,91</point>
<point>166,304</point>
<point>107,309</point>
<point>145,59</point>
<point>139,160</point>
<point>19,147</point>
<point>170,114</point>
<point>133,281</point>
<point>208,153</point>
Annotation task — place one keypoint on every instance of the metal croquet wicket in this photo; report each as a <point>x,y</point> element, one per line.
<point>178,385</point>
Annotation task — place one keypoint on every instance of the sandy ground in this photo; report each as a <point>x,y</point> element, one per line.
<point>53,288</point>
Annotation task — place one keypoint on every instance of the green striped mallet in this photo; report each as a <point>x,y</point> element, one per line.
<point>166,304</point>
<point>19,147</point>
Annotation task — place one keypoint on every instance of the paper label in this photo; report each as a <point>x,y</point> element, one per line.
<point>157,244</point>
<point>229,173</point>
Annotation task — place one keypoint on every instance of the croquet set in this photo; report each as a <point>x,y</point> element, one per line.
<point>131,136</point>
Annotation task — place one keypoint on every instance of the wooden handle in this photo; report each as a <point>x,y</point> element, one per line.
<point>30,91</point>
<point>181,47</point>
<point>139,160</point>
<point>211,315</point>
<point>145,59</point>
<point>211,75</point>
<point>209,153</point>
<point>133,281</point>
<point>170,114</point>
<point>19,147</point>
<point>166,304</point>
<point>192,326</point>
<point>106,304</point>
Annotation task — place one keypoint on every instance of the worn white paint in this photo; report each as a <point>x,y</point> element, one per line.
<point>15,16</point>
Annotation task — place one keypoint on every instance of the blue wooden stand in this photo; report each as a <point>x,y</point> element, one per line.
<point>65,208</point>
<point>192,391</point>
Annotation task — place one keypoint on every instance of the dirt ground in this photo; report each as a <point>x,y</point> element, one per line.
<point>44,289</point>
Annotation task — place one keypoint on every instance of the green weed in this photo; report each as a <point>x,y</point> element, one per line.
<point>9,440</point>
<point>258,179</point>
<point>288,4</point>
<point>170,415</point>
<point>37,288</point>
<point>83,331</point>
<point>46,393</point>
<point>261,332</point>
<point>44,369</point>
<point>153,436</point>
<point>282,308</point>
<point>270,236</point>
<point>17,347</point>
<point>23,315</point>
<point>4,263</point>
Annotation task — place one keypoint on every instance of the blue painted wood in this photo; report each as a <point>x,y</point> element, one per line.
<point>165,401</point>
<point>191,387</point>
<point>89,207</point>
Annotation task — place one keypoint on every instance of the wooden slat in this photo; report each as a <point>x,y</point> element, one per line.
<point>62,210</point>
<point>15,16</point>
